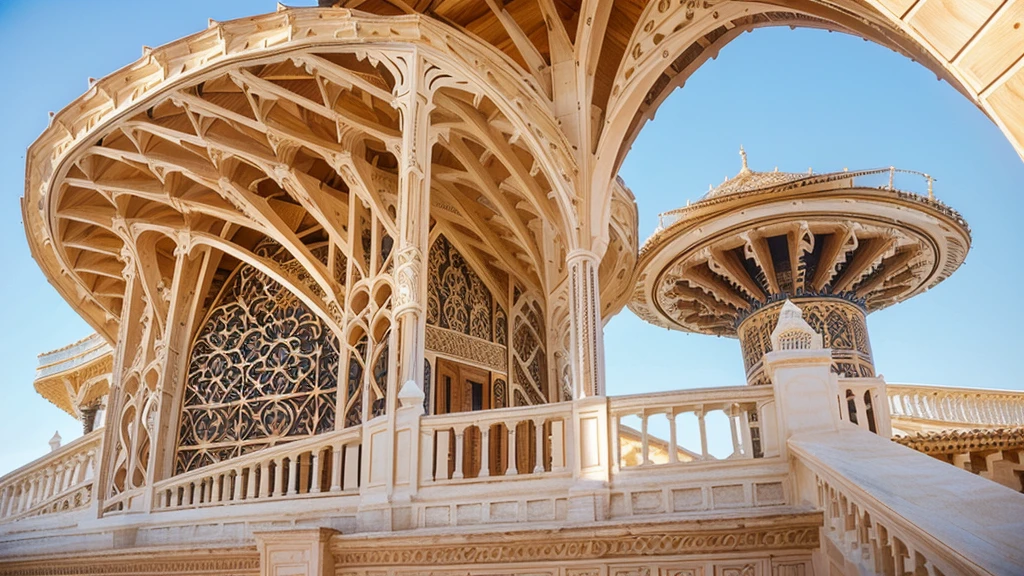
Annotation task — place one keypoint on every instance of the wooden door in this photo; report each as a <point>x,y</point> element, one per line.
<point>462,388</point>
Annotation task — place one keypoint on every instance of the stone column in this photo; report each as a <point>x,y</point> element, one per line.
<point>303,552</point>
<point>413,225</point>
<point>586,330</point>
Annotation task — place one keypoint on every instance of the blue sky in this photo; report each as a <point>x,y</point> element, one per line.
<point>794,99</point>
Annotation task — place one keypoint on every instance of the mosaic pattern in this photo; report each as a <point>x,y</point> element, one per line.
<point>264,369</point>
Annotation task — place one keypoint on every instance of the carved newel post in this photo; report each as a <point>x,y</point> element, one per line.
<point>805,389</point>
<point>589,498</point>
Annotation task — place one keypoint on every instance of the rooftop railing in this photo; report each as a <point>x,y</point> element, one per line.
<point>909,184</point>
<point>73,356</point>
<point>963,406</point>
<point>61,481</point>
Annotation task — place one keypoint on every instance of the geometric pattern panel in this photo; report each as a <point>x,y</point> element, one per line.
<point>457,299</point>
<point>263,370</point>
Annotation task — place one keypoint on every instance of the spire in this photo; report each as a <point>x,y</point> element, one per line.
<point>743,157</point>
<point>55,441</point>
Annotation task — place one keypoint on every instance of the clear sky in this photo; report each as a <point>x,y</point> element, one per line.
<point>794,99</point>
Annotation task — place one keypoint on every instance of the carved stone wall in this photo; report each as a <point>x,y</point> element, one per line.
<point>841,323</point>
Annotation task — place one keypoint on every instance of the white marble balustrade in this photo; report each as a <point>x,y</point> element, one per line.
<point>322,465</point>
<point>501,443</point>
<point>750,412</point>
<point>983,408</point>
<point>58,482</point>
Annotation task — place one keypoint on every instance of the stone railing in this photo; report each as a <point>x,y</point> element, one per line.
<point>61,481</point>
<point>500,466</point>
<point>915,522</point>
<point>862,402</point>
<point>968,406</point>
<point>747,410</point>
<point>504,443</point>
<point>322,465</point>
<point>72,356</point>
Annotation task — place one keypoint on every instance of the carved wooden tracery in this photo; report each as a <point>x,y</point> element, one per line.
<point>467,322</point>
<point>263,369</point>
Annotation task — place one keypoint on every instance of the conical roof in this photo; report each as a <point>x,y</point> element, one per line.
<point>748,179</point>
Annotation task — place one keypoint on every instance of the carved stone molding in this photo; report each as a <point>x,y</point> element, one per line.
<point>780,532</point>
<point>233,562</point>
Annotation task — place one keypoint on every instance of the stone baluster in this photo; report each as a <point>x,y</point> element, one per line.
<point>264,479</point>
<point>336,459</point>
<point>743,418</point>
<point>737,449</point>
<point>250,481</point>
<point>460,434</point>
<point>616,447</point>
<point>645,447</point>
<point>538,429</point>
<point>32,489</point>
<point>5,496</point>
<point>291,485</point>
<point>511,470</point>
<point>317,464</point>
<point>673,443</point>
<point>279,473</point>
<point>703,433</point>
<point>485,451</point>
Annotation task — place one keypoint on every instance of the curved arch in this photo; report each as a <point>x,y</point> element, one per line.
<point>671,40</point>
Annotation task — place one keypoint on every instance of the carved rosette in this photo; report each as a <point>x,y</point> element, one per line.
<point>842,325</point>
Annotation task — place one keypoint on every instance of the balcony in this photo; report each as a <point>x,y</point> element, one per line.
<point>714,459</point>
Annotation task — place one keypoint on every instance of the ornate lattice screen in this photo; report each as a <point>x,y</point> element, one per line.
<point>263,369</point>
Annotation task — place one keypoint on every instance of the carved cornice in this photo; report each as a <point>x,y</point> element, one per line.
<point>778,532</point>
<point>458,345</point>
<point>232,562</point>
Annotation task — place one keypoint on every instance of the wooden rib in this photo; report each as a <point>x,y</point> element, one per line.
<point>534,60</point>
<point>763,257</point>
<point>502,150</point>
<point>682,290</point>
<point>794,241</point>
<point>730,266</point>
<point>890,265</point>
<point>482,228</point>
<point>833,250</point>
<point>868,254</point>
<point>479,175</point>
<point>702,276</point>
<point>251,83</point>
<point>341,76</point>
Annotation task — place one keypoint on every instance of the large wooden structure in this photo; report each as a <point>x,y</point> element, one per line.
<point>353,263</point>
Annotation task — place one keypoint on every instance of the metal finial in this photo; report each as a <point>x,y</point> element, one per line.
<point>743,157</point>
